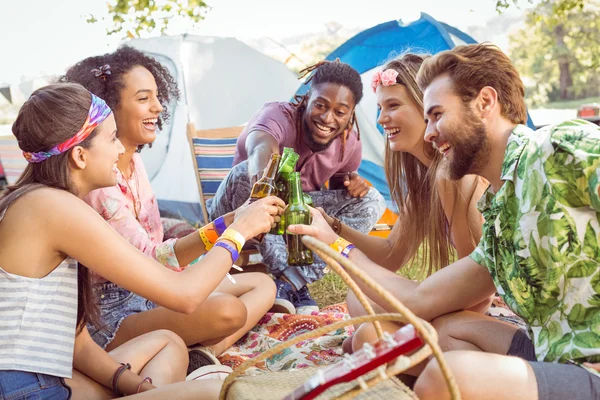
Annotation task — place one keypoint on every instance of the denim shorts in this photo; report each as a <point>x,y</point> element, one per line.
<point>115,305</point>
<point>20,385</point>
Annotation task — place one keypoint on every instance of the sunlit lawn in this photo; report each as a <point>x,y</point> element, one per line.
<point>331,289</point>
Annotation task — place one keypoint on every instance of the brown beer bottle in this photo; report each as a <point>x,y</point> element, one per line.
<point>265,186</point>
<point>296,213</point>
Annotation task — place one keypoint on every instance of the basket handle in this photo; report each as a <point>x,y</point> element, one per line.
<point>417,357</point>
<point>334,260</point>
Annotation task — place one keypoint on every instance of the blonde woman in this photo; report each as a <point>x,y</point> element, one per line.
<point>436,215</point>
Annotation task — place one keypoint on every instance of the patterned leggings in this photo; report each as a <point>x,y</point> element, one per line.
<point>360,214</point>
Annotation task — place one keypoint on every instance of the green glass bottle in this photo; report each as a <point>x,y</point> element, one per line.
<point>283,187</point>
<point>307,199</point>
<point>279,180</point>
<point>297,213</point>
<point>286,152</point>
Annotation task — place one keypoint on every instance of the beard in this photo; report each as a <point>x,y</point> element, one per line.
<point>312,143</point>
<point>470,148</point>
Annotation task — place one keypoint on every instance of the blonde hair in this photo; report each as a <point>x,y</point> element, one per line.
<point>413,185</point>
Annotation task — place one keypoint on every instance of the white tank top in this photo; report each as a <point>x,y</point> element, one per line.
<point>38,318</point>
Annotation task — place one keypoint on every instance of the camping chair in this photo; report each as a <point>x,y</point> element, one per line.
<point>12,158</point>
<point>212,154</point>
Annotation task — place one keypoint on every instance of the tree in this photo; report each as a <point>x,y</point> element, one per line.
<point>559,48</point>
<point>318,46</point>
<point>136,16</point>
<point>560,6</point>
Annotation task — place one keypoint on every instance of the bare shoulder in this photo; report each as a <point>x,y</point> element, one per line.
<point>464,189</point>
<point>51,206</point>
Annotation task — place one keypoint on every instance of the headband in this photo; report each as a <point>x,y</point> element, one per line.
<point>98,112</point>
<point>385,78</point>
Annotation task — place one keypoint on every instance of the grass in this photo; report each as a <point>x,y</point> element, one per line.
<point>331,289</point>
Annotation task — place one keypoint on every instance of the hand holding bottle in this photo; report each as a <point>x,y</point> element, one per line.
<point>319,228</point>
<point>258,217</point>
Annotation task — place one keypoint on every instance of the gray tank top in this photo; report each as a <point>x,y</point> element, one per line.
<point>38,318</point>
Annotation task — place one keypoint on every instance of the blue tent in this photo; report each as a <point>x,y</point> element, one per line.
<point>370,49</point>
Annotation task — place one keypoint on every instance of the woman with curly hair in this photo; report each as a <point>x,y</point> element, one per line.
<point>139,89</point>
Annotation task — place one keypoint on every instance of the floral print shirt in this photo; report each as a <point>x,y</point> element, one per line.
<point>541,237</point>
<point>119,206</point>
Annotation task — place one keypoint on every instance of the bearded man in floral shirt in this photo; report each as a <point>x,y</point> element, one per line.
<point>540,248</point>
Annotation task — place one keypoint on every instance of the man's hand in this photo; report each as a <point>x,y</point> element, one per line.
<point>595,366</point>
<point>356,186</point>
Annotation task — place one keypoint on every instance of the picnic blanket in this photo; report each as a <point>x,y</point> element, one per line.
<point>274,328</point>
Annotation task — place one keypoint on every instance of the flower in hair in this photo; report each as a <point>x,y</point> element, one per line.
<point>376,80</point>
<point>385,78</point>
<point>102,72</point>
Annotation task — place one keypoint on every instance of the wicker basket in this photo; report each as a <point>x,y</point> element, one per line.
<point>276,385</point>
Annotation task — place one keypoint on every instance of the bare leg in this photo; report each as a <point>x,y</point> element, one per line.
<point>469,330</point>
<point>463,330</point>
<point>161,355</point>
<point>207,389</point>
<point>216,318</point>
<point>480,376</point>
<point>228,313</point>
<point>257,291</point>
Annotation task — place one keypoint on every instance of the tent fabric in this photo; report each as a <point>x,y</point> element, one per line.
<point>223,82</point>
<point>370,49</point>
<point>5,91</point>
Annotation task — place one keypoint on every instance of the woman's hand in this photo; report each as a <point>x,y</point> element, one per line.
<point>319,228</point>
<point>258,217</point>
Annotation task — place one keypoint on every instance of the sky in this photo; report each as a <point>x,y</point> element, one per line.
<point>41,37</point>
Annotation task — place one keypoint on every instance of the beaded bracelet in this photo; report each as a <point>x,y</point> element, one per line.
<point>234,253</point>
<point>117,375</point>
<point>220,226</point>
<point>146,379</point>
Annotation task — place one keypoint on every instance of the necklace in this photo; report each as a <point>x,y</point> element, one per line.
<point>136,201</point>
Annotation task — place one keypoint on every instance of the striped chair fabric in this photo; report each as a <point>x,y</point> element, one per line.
<point>11,158</point>
<point>214,159</point>
<point>212,151</point>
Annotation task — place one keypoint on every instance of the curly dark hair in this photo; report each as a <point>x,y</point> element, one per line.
<point>103,76</point>
<point>338,73</point>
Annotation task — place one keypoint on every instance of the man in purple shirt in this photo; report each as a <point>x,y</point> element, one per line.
<point>320,128</point>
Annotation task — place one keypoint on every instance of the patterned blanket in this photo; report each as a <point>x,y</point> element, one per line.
<point>273,329</point>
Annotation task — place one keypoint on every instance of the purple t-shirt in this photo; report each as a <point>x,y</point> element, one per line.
<point>278,120</point>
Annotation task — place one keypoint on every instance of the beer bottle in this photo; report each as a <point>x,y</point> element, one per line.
<point>285,169</point>
<point>265,186</point>
<point>296,213</point>
<point>286,152</point>
<point>278,180</point>
<point>307,199</point>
